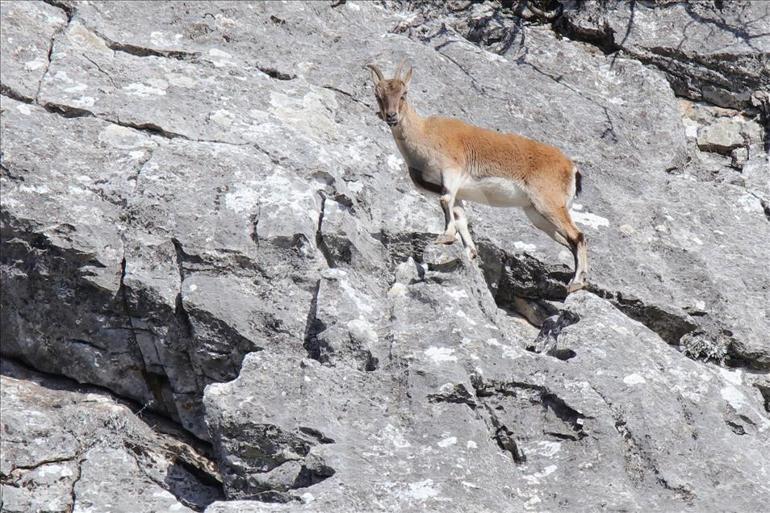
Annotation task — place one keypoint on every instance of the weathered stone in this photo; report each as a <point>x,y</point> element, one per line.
<point>28,32</point>
<point>201,212</point>
<point>708,50</point>
<point>541,416</point>
<point>756,175</point>
<point>722,137</point>
<point>738,157</point>
<point>67,448</point>
<point>379,422</point>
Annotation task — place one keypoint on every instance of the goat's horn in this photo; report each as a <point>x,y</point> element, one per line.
<point>376,70</point>
<point>400,68</point>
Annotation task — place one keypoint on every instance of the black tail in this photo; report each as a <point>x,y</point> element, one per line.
<point>578,183</point>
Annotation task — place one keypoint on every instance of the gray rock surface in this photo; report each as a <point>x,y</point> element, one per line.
<point>202,214</point>
<point>25,53</point>
<point>714,51</point>
<point>476,420</point>
<point>69,448</point>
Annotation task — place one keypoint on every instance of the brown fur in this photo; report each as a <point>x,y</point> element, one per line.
<point>490,153</point>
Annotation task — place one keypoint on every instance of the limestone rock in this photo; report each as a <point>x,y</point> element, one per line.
<point>202,214</point>
<point>25,53</point>
<point>710,51</point>
<point>68,448</point>
<point>721,137</point>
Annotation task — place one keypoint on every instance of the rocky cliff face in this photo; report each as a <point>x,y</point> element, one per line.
<point>219,290</point>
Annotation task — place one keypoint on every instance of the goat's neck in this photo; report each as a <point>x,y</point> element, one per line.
<point>410,126</point>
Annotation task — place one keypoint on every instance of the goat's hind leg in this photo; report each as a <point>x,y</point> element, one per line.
<point>461,221</point>
<point>559,226</point>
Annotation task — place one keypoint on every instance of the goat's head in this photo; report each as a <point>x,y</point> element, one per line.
<point>391,93</point>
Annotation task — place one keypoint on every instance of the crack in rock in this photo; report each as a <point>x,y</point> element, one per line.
<point>150,128</point>
<point>79,475</point>
<point>700,337</point>
<point>507,406</point>
<point>15,95</point>
<point>67,6</point>
<point>17,472</point>
<point>319,236</point>
<point>49,53</point>
<point>140,51</point>
<point>316,348</point>
<point>458,394</point>
<point>274,73</point>
<point>639,465</point>
<point>669,325</point>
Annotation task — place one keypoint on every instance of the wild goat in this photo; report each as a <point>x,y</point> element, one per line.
<point>458,161</point>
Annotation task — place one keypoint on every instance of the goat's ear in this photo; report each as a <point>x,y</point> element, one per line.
<point>376,73</point>
<point>408,77</point>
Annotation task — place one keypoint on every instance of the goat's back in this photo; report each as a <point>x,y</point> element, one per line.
<point>483,152</point>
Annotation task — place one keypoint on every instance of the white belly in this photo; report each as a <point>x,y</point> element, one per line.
<point>496,192</point>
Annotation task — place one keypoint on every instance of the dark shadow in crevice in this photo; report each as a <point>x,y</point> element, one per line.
<point>192,486</point>
<point>524,286</point>
<point>314,346</point>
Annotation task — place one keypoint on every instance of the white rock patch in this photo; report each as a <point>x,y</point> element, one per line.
<point>440,354</point>
<point>590,220</point>
<point>634,379</point>
<point>524,246</point>
<point>142,90</point>
<point>421,490</point>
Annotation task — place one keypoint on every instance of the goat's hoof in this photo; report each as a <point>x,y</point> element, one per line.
<point>472,253</point>
<point>574,287</point>
<point>444,238</point>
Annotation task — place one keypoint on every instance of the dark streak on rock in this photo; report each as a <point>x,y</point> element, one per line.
<point>140,51</point>
<point>73,494</point>
<point>764,390</point>
<point>255,226</point>
<point>181,314</point>
<point>274,73</point>
<point>347,94</point>
<point>506,441</point>
<point>314,326</point>
<point>319,238</point>
<point>15,95</point>
<point>86,343</point>
<point>458,395</point>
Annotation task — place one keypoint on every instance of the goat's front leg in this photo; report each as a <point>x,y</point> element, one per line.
<point>461,221</point>
<point>451,185</point>
<point>450,230</point>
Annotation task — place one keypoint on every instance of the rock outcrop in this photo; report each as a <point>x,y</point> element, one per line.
<point>203,217</point>
<point>76,448</point>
